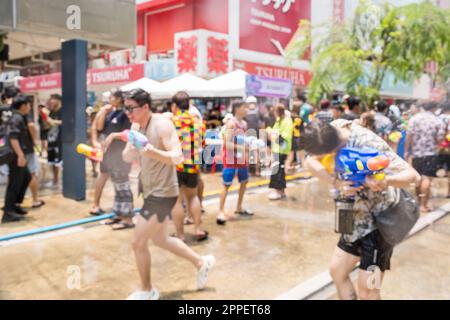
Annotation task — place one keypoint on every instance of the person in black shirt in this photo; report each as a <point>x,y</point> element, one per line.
<point>54,138</point>
<point>116,121</point>
<point>32,161</point>
<point>19,176</point>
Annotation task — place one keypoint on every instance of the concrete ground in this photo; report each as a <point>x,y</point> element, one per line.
<point>285,244</point>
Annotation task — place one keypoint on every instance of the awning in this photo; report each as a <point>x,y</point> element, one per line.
<point>229,85</point>
<point>195,86</point>
<point>151,86</point>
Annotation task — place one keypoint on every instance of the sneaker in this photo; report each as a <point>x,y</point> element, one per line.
<point>51,185</point>
<point>202,275</point>
<point>277,196</point>
<point>144,295</point>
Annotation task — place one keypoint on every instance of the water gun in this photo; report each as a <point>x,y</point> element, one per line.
<point>355,165</point>
<point>137,139</point>
<point>395,136</point>
<point>446,143</point>
<point>92,153</point>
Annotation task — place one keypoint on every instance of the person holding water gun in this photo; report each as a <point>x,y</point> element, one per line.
<point>113,122</point>
<point>370,195</point>
<point>159,157</point>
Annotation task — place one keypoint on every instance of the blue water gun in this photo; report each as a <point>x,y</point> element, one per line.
<point>352,164</point>
<point>137,139</point>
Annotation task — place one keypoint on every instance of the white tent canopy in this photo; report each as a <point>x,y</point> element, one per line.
<point>193,85</point>
<point>151,86</point>
<point>229,85</point>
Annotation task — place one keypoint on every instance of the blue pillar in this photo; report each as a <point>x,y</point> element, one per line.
<point>74,67</point>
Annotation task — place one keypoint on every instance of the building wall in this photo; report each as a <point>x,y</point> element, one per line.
<point>157,26</point>
<point>161,26</point>
<point>211,15</point>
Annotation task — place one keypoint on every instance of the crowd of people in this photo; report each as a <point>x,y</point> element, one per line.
<point>20,149</point>
<point>414,136</point>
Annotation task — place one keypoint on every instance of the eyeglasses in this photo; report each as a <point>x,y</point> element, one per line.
<point>130,109</point>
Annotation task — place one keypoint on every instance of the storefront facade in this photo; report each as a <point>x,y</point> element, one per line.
<point>213,37</point>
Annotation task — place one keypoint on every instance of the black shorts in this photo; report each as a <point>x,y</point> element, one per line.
<point>373,250</point>
<point>54,155</point>
<point>444,162</point>
<point>43,135</point>
<point>296,144</point>
<point>189,180</point>
<point>161,206</point>
<point>426,166</point>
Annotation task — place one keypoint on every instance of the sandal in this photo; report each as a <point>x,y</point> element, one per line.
<point>122,226</point>
<point>425,210</point>
<point>99,212</point>
<point>245,212</point>
<point>174,235</point>
<point>202,237</point>
<point>221,221</point>
<point>112,221</point>
<point>38,205</point>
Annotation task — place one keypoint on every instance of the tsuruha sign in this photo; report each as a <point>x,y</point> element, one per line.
<point>94,77</point>
<point>297,76</point>
<point>115,74</point>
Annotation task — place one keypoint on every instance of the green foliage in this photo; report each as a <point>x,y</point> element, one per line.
<point>384,38</point>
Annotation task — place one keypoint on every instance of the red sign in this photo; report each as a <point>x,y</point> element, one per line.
<point>187,54</point>
<point>46,82</point>
<point>217,55</point>
<point>94,77</point>
<point>339,11</point>
<point>115,74</point>
<point>436,94</point>
<point>298,77</point>
<point>269,25</point>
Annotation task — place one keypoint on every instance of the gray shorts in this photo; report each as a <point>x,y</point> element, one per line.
<point>32,163</point>
<point>162,207</point>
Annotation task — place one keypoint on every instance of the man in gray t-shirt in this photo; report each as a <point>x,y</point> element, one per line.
<point>159,181</point>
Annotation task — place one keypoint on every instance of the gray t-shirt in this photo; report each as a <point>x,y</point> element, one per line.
<point>158,179</point>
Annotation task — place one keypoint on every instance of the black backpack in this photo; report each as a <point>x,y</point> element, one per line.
<point>6,153</point>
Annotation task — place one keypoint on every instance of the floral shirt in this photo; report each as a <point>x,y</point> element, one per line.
<point>383,125</point>
<point>191,131</point>
<point>368,202</point>
<point>426,131</point>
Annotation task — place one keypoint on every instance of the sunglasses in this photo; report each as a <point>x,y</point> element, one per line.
<point>130,109</point>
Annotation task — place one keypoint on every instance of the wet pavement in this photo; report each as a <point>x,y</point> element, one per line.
<point>421,266</point>
<point>284,244</point>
